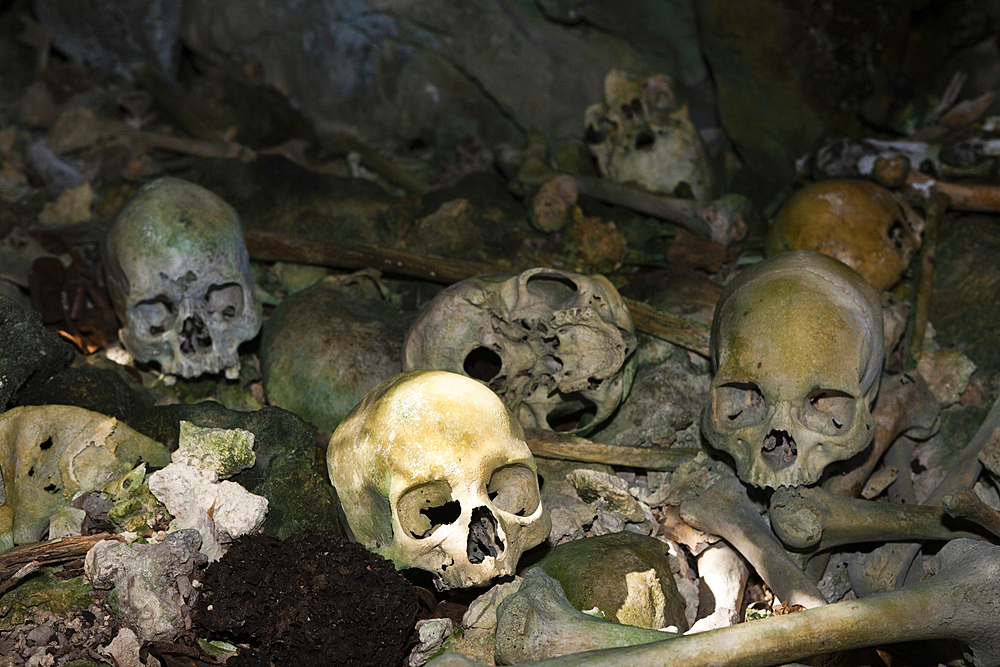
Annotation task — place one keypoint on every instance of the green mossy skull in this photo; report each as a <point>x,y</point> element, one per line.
<point>797,350</point>
<point>179,276</point>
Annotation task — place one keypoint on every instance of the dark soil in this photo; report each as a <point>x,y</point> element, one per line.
<point>312,599</point>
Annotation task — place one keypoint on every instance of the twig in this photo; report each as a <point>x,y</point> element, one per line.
<point>59,550</point>
<point>552,445</point>
<point>207,149</point>
<point>278,247</point>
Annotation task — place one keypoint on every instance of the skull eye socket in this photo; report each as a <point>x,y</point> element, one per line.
<point>514,489</point>
<point>739,404</point>
<point>424,508</point>
<point>155,315</point>
<point>828,411</point>
<point>225,301</point>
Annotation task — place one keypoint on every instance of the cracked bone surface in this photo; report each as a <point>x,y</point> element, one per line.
<point>725,510</point>
<point>961,601</point>
<point>179,276</point>
<point>797,346</point>
<point>811,518</point>
<point>433,472</point>
<point>557,347</point>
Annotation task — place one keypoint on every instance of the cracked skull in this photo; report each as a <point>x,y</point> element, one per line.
<point>432,472</point>
<point>639,134</point>
<point>179,275</point>
<point>557,347</point>
<point>797,347</point>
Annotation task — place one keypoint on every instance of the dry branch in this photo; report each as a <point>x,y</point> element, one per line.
<point>278,247</point>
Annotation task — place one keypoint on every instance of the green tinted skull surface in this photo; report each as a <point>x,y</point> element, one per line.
<point>179,275</point>
<point>797,347</point>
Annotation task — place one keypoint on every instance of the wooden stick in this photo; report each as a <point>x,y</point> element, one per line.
<point>278,247</point>
<point>59,550</point>
<point>552,445</point>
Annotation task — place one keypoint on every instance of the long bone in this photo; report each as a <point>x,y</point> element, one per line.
<point>961,601</point>
<point>725,510</point>
<point>965,504</point>
<point>887,566</point>
<point>812,519</point>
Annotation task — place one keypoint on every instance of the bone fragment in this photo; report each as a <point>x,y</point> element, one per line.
<point>725,574</point>
<point>721,220</point>
<point>958,602</point>
<point>889,564</point>
<point>962,197</point>
<point>725,510</point>
<point>554,445</point>
<point>965,504</point>
<point>538,622</point>
<point>904,403</point>
<point>810,518</point>
<point>343,254</point>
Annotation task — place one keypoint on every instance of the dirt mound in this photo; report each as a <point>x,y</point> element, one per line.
<point>312,599</point>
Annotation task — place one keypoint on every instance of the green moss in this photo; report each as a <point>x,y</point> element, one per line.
<point>42,591</point>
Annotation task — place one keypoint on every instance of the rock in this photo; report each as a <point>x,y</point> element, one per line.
<point>29,353</point>
<point>431,634</point>
<point>426,65</point>
<point>42,593</point>
<point>222,451</point>
<point>115,39</point>
<point>124,649</point>
<point>146,597</point>
<point>285,471</point>
<point>967,290</point>
<point>624,576</point>
<point>184,489</point>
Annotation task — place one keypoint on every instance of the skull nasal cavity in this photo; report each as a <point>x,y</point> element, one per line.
<point>483,538</point>
<point>779,450</point>
<point>645,140</point>
<point>195,338</point>
<point>482,364</point>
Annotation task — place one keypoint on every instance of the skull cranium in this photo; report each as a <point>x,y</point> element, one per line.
<point>179,276</point>
<point>557,347</point>
<point>432,472</point>
<point>797,347</point>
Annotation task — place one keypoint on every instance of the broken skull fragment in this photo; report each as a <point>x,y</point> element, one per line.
<point>797,350</point>
<point>432,472</point>
<point>179,276</point>
<point>557,347</point>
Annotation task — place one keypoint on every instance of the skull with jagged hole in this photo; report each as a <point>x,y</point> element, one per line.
<point>179,276</point>
<point>557,347</point>
<point>797,350</point>
<point>639,134</point>
<point>432,472</point>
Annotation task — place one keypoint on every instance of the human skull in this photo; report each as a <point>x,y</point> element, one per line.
<point>862,224</point>
<point>557,347</point>
<point>639,134</point>
<point>432,472</point>
<point>179,276</point>
<point>797,350</point>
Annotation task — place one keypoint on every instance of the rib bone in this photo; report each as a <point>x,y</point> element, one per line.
<point>962,601</point>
